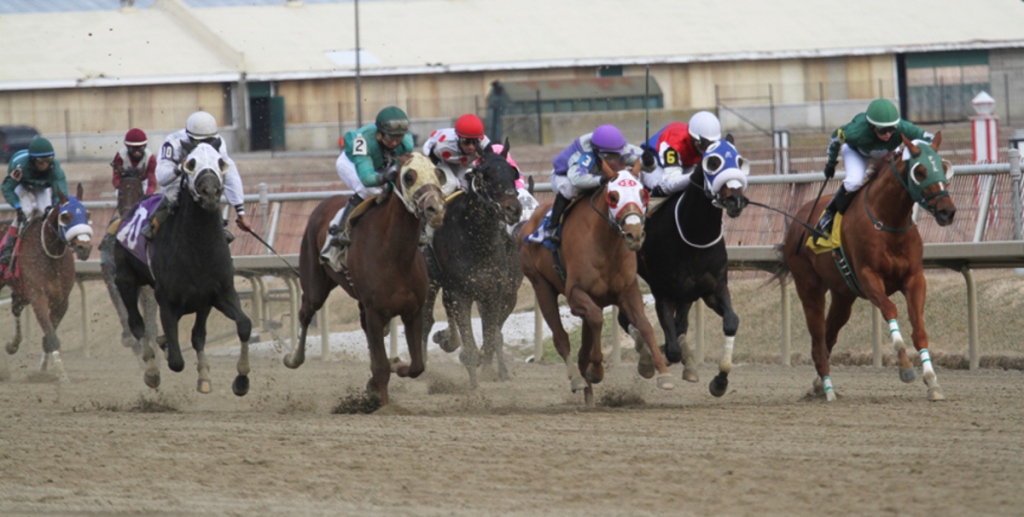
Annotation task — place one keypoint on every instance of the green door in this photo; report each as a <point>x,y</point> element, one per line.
<point>277,119</point>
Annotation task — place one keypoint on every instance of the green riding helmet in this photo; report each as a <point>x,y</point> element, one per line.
<point>40,147</point>
<point>883,113</point>
<point>392,121</point>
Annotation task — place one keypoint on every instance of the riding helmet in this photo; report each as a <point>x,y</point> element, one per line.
<point>883,113</point>
<point>608,139</point>
<point>392,121</point>
<point>201,126</point>
<point>135,138</point>
<point>705,125</point>
<point>469,126</point>
<point>40,147</point>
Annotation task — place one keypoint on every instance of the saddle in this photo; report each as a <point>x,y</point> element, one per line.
<point>337,258</point>
<point>834,244</point>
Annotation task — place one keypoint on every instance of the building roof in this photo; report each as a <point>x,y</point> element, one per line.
<point>170,40</point>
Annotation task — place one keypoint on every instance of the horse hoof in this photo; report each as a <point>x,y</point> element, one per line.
<point>673,354</point>
<point>241,385</point>
<point>12,348</point>
<point>718,385</point>
<point>204,386</point>
<point>664,382</point>
<point>830,395</point>
<point>594,377</point>
<point>153,381</point>
<point>645,365</point>
<point>690,375</point>
<point>578,384</point>
<point>907,375</point>
<point>588,399</point>
<point>935,395</point>
<point>290,362</point>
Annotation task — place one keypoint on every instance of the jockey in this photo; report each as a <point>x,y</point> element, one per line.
<point>679,148</point>
<point>868,136</point>
<point>368,164</point>
<point>578,168</point>
<point>31,176</point>
<point>526,199</point>
<point>454,150</point>
<point>200,127</point>
<point>134,159</point>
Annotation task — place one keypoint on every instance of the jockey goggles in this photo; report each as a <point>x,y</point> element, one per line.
<point>394,127</point>
<point>884,130</point>
<point>39,160</point>
<point>469,141</point>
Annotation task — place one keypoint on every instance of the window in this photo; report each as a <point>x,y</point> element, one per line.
<point>609,71</point>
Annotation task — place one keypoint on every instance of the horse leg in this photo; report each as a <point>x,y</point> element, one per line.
<point>874,291</point>
<point>645,364</point>
<point>682,324</point>
<point>203,385</point>
<point>58,307</point>
<point>460,313</point>
<point>721,302</point>
<point>232,308</point>
<point>584,363</point>
<point>914,292</point>
<point>812,297</point>
<point>51,345</point>
<point>314,293</point>
<point>380,367</point>
<point>631,303</point>
<point>414,340</point>
<point>150,309</point>
<point>491,318</point>
<point>590,359</point>
<point>547,299</point>
<point>107,267</point>
<point>17,305</point>
<point>128,292</point>
<point>169,320</point>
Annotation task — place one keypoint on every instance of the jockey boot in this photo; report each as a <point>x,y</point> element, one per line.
<point>551,230</point>
<point>840,202</point>
<point>157,219</point>
<point>339,233</point>
<point>7,252</point>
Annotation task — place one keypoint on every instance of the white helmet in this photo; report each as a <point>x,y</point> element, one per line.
<point>201,126</point>
<point>705,124</point>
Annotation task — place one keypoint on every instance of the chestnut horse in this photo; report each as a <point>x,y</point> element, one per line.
<point>598,252</point>
<point>47,271</point>
<point>129,191</point>
<point>883,249</point>
<point>385,271</point>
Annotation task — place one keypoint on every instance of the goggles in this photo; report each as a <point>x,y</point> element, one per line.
<point>394,127</point>
<point>392,139</point>
<point>40,160</point>
<point>469,141</point>
<point>608,155</point>
<point>885,130</point>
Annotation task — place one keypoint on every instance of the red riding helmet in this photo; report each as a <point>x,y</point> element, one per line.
<point>469,126</point>
<point>135,138</point>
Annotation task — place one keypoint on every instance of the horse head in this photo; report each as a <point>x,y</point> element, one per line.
<point>494,180</point>
<point>74,224</point>
<point>419,187</point>
<point>204,170</point>
<point>129,192</point>
<point>627,203</point>
<point>725,177</point>
<point>927,176</point>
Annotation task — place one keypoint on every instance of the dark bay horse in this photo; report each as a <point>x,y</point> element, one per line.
<point>683,259</point>
<point>189,269</point>
<point>47,271</point>
<point>474,259</point>
<point>884,251</point>
<point>385,271</point>
<point>599,240</point>
<point>130,191</point>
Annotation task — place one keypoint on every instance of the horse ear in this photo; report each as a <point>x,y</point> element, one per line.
<point>729,138</point>
<point>529,184</point>
<point>80,192</point>
<point>608,172</point>
<point>937,141</point>
<point>914,150</point>
<point>636,168</point>
<point>505,148</point>
<point>61,197</point>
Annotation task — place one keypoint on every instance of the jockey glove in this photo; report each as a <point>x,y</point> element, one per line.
<point>830,170</point>
<point>21,216</point>
<point>389,175</point>
<point>647,158</point>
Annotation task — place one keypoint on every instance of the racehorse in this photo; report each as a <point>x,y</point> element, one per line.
<point>882,248</point>
<point>684,260</point>
<point>473,258</point>
<point>385,271</point>
<point>597,250</point>
<point>189,269</point>
<point>45,271</point>
<point>129,191</point>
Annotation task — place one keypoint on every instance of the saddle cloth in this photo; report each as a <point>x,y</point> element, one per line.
<point>129,232</point>
<point>335,257</point>
<point>819,246</point>
<point>13,269</point>
<point>537,237</point>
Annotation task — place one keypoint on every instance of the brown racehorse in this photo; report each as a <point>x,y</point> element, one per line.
<point>600,270</point>
<point>386,271</point>
<point>130,190</point>
<point>884,251</point>
<point>48,272</point>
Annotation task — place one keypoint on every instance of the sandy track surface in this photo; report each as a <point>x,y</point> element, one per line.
<point>524,447</point>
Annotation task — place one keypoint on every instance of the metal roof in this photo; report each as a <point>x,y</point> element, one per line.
<point>169,40</point>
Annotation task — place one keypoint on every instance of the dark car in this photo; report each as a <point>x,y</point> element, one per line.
<point>14,139</point>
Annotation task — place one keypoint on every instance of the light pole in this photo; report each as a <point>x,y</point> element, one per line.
<point>359,79</point>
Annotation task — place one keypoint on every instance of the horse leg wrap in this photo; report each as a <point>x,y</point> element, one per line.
<point>830,394</point>
<point>930,380</point>
<point>725,366</point>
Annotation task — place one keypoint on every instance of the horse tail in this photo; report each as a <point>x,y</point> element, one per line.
<point>781,269</point>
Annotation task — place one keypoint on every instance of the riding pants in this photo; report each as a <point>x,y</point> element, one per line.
<point>33,201</point>
<point>856,165</point>
<point>347,172</point>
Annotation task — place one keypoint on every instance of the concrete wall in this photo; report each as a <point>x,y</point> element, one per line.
<point>321,137</point>
<point>103,146</point>
<point>1006,78</point>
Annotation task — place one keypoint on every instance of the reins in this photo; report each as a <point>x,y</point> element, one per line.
<point>42,236</point>
<point>611,222</point>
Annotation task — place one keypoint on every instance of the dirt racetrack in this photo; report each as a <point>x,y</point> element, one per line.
<point>105,444</point>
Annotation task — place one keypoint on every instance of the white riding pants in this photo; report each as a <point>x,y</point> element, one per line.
<point>347,172</point>
<point>33,201</point>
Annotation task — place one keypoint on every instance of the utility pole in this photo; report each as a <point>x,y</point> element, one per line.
<point>359,78</point>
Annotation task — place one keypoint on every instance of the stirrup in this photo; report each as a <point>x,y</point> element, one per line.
<point>552,236</point>
<point>228,236</point>
<point>148,231</point>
